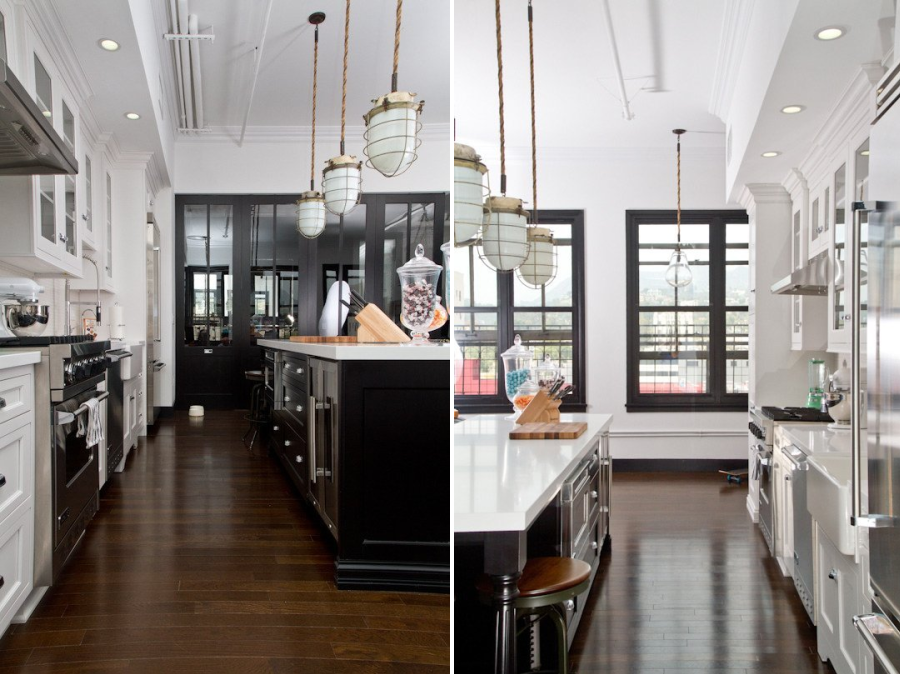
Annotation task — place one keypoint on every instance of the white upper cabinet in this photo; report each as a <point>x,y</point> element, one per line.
<point>47,205</point>
<point>88,192</point>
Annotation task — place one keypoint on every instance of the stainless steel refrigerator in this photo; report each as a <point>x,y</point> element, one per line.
<point>881,630</point>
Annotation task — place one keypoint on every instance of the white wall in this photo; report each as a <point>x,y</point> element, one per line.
<point>281,165</point>
<point>606,183</point>
<point>163,211</point>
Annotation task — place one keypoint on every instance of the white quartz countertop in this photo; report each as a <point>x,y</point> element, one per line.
<point>501,484</point>
<point>17,357</point>
<point>815,439</point>
<point>440,351</point>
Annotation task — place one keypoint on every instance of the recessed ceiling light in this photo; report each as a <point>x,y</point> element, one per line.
<point>792,109</point>
<point>47,113</point>
<point>864,153</point>
<point>770,154</point>
<point>132,115</point>
<point>109,45</point>
<point>829,33</point>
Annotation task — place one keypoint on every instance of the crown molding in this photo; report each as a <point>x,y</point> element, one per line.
<point>795,183</point>
<point>297,134</point>
<point>733,39</point>
<point>753,194</point>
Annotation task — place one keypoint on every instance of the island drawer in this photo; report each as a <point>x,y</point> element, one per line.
<point>295,369</point>
<point>295,402</point>
<point>580,503</point>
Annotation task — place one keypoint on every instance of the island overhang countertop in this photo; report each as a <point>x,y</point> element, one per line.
<point>362,351</point>
<point>503,485</point>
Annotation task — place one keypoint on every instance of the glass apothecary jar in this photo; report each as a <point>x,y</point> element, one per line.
<point>418,293</point>
<point>546,372</point>
<point>517,361</point>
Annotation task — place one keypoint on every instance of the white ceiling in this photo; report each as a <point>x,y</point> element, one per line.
<point>284,88</point>
<point>668,52</point>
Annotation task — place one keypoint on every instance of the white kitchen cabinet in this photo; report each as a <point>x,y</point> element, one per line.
<point>808,313</point>
<point>131,423</point>
<point>99,216</point>
<point>819,218</point>
<point>47,204</point>
<point>16,489</point>
<point>839,597</point>
<point>88,191</point>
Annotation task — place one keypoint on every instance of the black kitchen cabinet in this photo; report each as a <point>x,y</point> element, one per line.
<point>385,467</point>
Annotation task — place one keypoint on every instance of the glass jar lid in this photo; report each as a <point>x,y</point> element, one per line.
<point>419,263</point>
<point>517,350</point>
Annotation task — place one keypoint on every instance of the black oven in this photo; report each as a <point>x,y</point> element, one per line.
<point>76,479</point>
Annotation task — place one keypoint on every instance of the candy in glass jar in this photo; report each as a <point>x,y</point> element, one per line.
<point>418,293</point>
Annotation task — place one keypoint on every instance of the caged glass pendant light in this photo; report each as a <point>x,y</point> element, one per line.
<point>504,237</point>
<point>678,273</point>
<point>311,206</point>
<point>342,177</point>
<point>539,267</point>
<point>392,125</point>
<point>470,192</point>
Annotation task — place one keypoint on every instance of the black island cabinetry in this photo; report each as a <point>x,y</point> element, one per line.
<point>366,443</point>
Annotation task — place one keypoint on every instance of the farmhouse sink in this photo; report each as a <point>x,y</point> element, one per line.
<point>828,499</point>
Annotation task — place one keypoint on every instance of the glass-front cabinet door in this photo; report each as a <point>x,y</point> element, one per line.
<point>274,271</point>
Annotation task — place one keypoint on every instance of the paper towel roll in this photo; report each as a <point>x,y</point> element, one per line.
<point>117,322</point>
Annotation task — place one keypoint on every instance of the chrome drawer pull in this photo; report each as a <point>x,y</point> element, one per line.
<point>833,574</point>
<point>869,625</point>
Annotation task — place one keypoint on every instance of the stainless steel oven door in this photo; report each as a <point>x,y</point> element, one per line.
<point>76,477</point>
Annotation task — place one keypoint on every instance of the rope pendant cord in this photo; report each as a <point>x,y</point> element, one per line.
<point>678,178</point>
<point>397,46</point>
<point>312,163</point>
<point>534,204</point>
<point>500,91</point>
<point>344,87</point>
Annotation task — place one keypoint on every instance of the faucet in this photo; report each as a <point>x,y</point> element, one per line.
<point>97,274</point>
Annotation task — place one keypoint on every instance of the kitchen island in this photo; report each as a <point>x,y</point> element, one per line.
<point>362,430</point>
<point>510,494</point>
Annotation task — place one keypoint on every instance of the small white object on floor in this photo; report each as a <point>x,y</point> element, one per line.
<point>195,411</point>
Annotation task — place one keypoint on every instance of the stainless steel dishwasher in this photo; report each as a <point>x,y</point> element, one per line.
<point>803,529</point>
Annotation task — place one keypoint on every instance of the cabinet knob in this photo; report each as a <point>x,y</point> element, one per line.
<point>298,459</point>
<point>84,217</point>
<point>287,367</point>
<point>287,443</point>
<point>833,574</point>
<point>287,399</point>
<point>595,495</point>
<point>2,582</point>
<point>276,428</point>
<point>299,370</point>
<point>787,478</point>
<point>594,545</point>
<point>299,408</point>
<point>570,605</point>
<point>2,480</point>
<point>2,403</point>
<point>848,317</point>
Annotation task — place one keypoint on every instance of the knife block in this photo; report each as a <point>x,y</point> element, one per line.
<point>540,410</point>
<point>375,326</point>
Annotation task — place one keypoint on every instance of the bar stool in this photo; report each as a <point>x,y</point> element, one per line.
<point>258,415</point>
<point>546,584</point>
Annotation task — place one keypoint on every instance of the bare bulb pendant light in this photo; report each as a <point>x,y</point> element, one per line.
<point>392,125</point>
<point>342,177</point>
<point>539,267</point>
<point>678,273</point>
<point>504,237</point>
<point>311,206</point>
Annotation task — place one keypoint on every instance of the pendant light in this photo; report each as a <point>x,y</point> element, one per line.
<point>342,177</point>
<point>311,206</point>
<point>504,238</point>
<point>470,192</point>
<point>539,267</point>
<point>678,273</point>
<point>392,125</point>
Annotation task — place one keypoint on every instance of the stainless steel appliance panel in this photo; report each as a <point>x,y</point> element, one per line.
<point>766,502</point>
<point>804,573</point>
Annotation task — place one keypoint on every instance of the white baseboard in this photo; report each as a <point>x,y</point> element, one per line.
<point>754,512</point>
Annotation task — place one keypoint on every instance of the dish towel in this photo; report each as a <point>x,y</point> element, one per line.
<point>90,423</point>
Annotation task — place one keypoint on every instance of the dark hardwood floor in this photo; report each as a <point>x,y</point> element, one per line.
<point>202,559</point>
<point>689,586</point>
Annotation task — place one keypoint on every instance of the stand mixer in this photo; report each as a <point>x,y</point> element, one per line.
<point>22,315</point>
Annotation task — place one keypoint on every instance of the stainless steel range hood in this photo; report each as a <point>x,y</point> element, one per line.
<point>810,280</point>
<point>28,143</point>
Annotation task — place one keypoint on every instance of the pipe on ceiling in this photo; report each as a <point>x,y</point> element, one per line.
<point>626,108</point>
<point>257,56</point>
<point>185,65</point>
<point>195,71</point>
<point>176,50</point>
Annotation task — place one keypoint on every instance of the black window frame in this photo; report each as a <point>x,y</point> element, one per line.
<point>498,403</point>
<point>716,399</point>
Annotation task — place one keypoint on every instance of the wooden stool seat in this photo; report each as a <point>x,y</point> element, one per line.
<point>545,576</point>
<point>254,375</point>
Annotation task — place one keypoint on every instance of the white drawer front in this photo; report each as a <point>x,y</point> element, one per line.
<point>16,464</point>
<point>16,396</point>
<point>16,559</point>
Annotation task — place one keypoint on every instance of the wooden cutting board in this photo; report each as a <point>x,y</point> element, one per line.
<point>559,431</point>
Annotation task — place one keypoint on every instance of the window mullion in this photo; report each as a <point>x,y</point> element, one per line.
<point>717,308</point>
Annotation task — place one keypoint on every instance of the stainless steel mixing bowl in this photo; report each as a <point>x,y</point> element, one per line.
<point>26,320</point>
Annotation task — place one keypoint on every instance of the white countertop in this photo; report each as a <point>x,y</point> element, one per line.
<point>17,357</point>
<point>440,351</point>
<point>501,484</point>
<point>818,438</point>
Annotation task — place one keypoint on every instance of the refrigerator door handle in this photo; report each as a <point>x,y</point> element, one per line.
<point>872,625</point>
